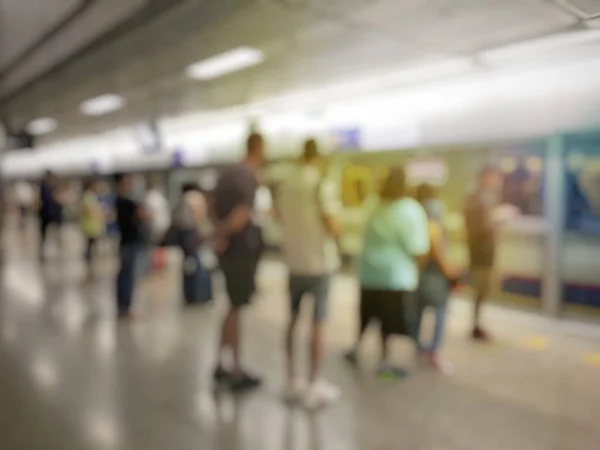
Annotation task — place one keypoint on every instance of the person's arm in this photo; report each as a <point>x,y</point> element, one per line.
<point>438,254</point>
<point>331,208</point>
<point>414,232</point>
<point>237,219</point>
<point>141,212</point>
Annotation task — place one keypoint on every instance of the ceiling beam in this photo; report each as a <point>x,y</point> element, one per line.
<point>149,11</point>
<point>41,41</point>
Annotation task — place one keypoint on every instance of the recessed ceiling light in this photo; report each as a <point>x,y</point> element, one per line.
<point>42,125</point>
<point>103,104</point>
<point>225,63</point>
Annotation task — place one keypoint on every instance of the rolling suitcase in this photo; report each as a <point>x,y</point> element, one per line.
<point>197,281</point>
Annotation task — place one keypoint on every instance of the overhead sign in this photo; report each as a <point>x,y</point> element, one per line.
<point>346,139</point>
<point>177,158</point>
<point>148,137</point>
<point>391,133</point>
<point>427,170</point>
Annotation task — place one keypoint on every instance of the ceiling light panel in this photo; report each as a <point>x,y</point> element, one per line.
<point>43,125</point>
<point>225,63</point>
<point>104,104</point>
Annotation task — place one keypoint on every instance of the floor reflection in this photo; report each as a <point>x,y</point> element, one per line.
<point>76,378</point>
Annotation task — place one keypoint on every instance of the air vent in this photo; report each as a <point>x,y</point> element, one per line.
<point>586,9</point>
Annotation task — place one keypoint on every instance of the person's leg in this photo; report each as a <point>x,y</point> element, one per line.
<point>43,234</point>
<point>88,250</point>
<point>440,326</point>
<point>58,236</point>
<point>230,338</point>
<point>482,285</point>
<point>228,335</point>
<point>385,348</point>
<point>126,278</point>
<point>239,282</point>
<point>438,362</point>
<point>321,392</point>
<point>224,345</point>
<point>395,320</point>
<point>23,210</point>
<point>320,291</point>
<point>366,310</point>
<point>421,307</point>
<point>296,292</point>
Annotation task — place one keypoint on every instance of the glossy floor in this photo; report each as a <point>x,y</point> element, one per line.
<point>71,378</point>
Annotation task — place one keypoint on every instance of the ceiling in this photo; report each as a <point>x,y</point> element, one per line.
<point>307,43</point>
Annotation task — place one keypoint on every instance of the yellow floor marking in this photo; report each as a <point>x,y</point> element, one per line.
<point>593,359</point>
<point>535,343</point>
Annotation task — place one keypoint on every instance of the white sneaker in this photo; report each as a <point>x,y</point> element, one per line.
<point>295,391</point>
<point>321,394</point>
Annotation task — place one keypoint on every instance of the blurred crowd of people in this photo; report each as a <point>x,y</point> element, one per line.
<point>403,268</point>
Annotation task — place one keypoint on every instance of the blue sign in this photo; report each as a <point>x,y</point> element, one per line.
<point>177,158</point>
<point>347,139</point>
<point>148,137</point>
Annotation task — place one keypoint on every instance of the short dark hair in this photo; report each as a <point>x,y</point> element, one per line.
<point>488,170</point>
<point>311,150</point>
<point>89,183</point>
<point>426,191</point>
<point>394,185</point>
<point>253,140</point>
<point>118,177</point>
<point>189,187</point>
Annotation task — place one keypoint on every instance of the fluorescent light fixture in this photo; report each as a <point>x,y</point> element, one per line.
<point>231,61</point>
<point>103,104</point>
<point>406,76</point>
<point>42,125</point>
<point>553,45</point>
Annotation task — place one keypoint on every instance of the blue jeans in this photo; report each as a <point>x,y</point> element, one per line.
<point>126,277</point>
<point>438,329</point>
<point>144,260</point>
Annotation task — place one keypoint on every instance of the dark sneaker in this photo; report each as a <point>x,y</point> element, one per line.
<point>479,334</point>
<point>245,383</point>
<point>126,315</point>
<point>221,375</point>
<point>351,357</point>
<point>391,373</point>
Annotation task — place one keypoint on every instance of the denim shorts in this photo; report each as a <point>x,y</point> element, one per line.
<point>317,286</point>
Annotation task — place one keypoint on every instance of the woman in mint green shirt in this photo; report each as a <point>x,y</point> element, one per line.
<point>396,236</point>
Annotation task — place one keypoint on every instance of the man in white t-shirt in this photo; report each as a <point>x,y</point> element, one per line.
<point>157,208</point>
<point>24,196</point>
<point>308,207</point>
<point>159,212</point>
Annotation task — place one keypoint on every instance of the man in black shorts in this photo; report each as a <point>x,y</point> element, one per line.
<point>237,242</point>
<point>50,212</point>
<point>131,218</point>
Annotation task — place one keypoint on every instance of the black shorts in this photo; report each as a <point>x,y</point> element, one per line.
<point>392,309</point>
<point>239,273</point>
